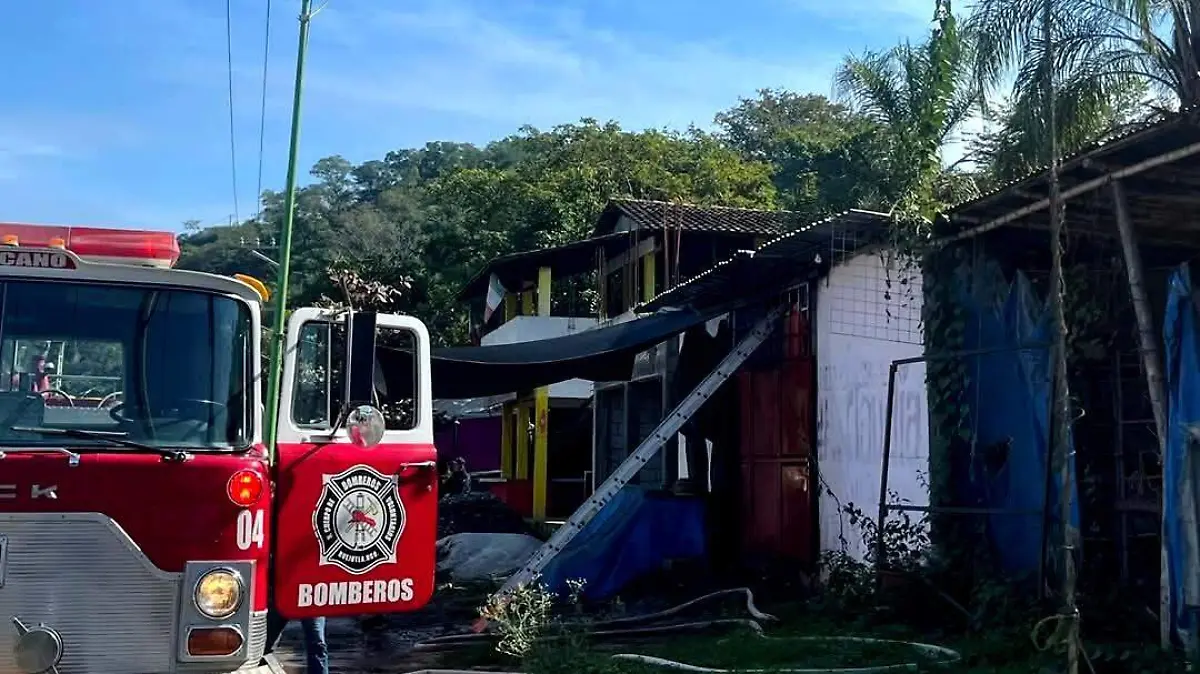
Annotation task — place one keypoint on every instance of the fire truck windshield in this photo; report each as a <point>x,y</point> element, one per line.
<point>163,367</point>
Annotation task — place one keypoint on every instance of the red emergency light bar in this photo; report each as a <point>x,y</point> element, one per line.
<point>97,244</point>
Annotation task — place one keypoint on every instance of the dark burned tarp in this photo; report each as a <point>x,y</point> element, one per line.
<point>601,354</point>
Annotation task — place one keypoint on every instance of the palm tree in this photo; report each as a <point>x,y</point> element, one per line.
<point>921,94</point>
<point>1114,62</point>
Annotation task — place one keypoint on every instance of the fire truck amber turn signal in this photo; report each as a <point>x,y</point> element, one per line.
<point>219,593</point>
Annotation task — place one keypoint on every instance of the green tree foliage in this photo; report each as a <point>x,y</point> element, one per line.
<point>1013,145</point>
<point>427,219</point>
<point>826,158</point>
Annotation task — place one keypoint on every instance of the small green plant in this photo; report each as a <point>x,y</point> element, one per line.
<point>575,587</point>
<point>905,540</point>
<point>847,579</point>
<point>850,578</point>
<point>525,615</point>
<point>520,617</point>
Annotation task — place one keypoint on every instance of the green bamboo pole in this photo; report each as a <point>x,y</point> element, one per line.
<point>285,240</point>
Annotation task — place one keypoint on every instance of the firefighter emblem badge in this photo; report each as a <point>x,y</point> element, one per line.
<point>359,519</point>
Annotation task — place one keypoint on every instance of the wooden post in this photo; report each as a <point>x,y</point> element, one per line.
<point>544,292</point>
<point>1155,385</point>
<point>1147,336</point>
<point>541,415</point>
<point>602,284</point>
<point>541,454</point>
<point>648,274</point>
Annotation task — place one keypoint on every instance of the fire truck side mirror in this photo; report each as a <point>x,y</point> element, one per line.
<point>365,425</point>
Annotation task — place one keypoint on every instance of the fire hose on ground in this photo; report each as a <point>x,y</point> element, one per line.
<point>639,626</point>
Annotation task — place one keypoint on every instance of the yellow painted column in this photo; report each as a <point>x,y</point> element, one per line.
<point>506,441</point>
<point>544,290</point>
<point>541,454</point>
<point>527,303</point>
<point>541,415</point>
<point>510,306</point>
<point>648,272</point>
<point>522,440</point>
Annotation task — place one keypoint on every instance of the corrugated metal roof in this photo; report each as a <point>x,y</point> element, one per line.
<point>648,214</point>
<point>1153,131</point>
<point>778,264</point>
<point>1108,141</point>
<point>577,257</point>
<point>1157,162</point>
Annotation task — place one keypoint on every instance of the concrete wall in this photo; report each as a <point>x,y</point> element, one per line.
<point>532,328</point>
<point>865,319</point>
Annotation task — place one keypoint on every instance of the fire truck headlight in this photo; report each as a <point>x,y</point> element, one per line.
<point>219,593</point>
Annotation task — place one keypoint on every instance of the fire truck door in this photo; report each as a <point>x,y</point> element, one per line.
<point>355,526</point>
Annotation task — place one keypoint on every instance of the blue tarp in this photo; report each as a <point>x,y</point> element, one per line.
<point>1009,400</point>
<point>631,537</point>
<point>1183,390</point>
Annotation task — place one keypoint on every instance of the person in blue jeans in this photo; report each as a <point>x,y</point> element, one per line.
<point>316,651</point>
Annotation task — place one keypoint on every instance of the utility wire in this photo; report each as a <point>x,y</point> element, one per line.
<point>232,127</point>
<point>262,116</point>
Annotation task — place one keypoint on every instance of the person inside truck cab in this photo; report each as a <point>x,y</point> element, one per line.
<point>36,380</point>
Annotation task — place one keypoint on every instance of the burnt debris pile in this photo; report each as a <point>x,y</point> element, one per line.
<point>479,513</point>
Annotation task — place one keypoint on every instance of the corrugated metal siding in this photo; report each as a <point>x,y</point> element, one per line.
<point>627,413</point>
<point>777,444</point>
<point>611,443</point>
<point>645,413</point>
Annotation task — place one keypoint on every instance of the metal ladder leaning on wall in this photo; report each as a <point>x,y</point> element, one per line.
<point>625,472</point>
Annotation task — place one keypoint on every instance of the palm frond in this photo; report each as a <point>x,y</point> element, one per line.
<point>871,84</point>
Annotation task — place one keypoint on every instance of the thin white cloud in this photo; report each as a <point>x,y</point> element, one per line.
<point>35,141</point>
<point>17,150</point>
<point>457,59</point>
<point>903,15</point>
<point>381,74</point>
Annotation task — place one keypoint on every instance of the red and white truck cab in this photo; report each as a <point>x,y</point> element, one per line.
<point>144,526</point>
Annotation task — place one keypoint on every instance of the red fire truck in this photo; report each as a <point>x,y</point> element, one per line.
<point>144,526</point>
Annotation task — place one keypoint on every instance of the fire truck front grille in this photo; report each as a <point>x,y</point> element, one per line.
<point>80,574</point>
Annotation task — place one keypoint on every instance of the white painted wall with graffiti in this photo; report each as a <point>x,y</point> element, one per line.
<point>868,314</point>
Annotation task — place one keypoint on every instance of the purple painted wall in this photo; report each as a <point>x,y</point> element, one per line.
<point>478,442</point>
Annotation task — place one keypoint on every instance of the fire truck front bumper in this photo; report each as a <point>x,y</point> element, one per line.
<point>77,596</point>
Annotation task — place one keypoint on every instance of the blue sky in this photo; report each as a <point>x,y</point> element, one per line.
<point>116,112</point>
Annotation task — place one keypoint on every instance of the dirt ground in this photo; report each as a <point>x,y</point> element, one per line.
<point>386,647</point>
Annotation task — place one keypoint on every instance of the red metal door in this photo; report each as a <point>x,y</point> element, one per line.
<point>776,449</point>
<point>355,527</point>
